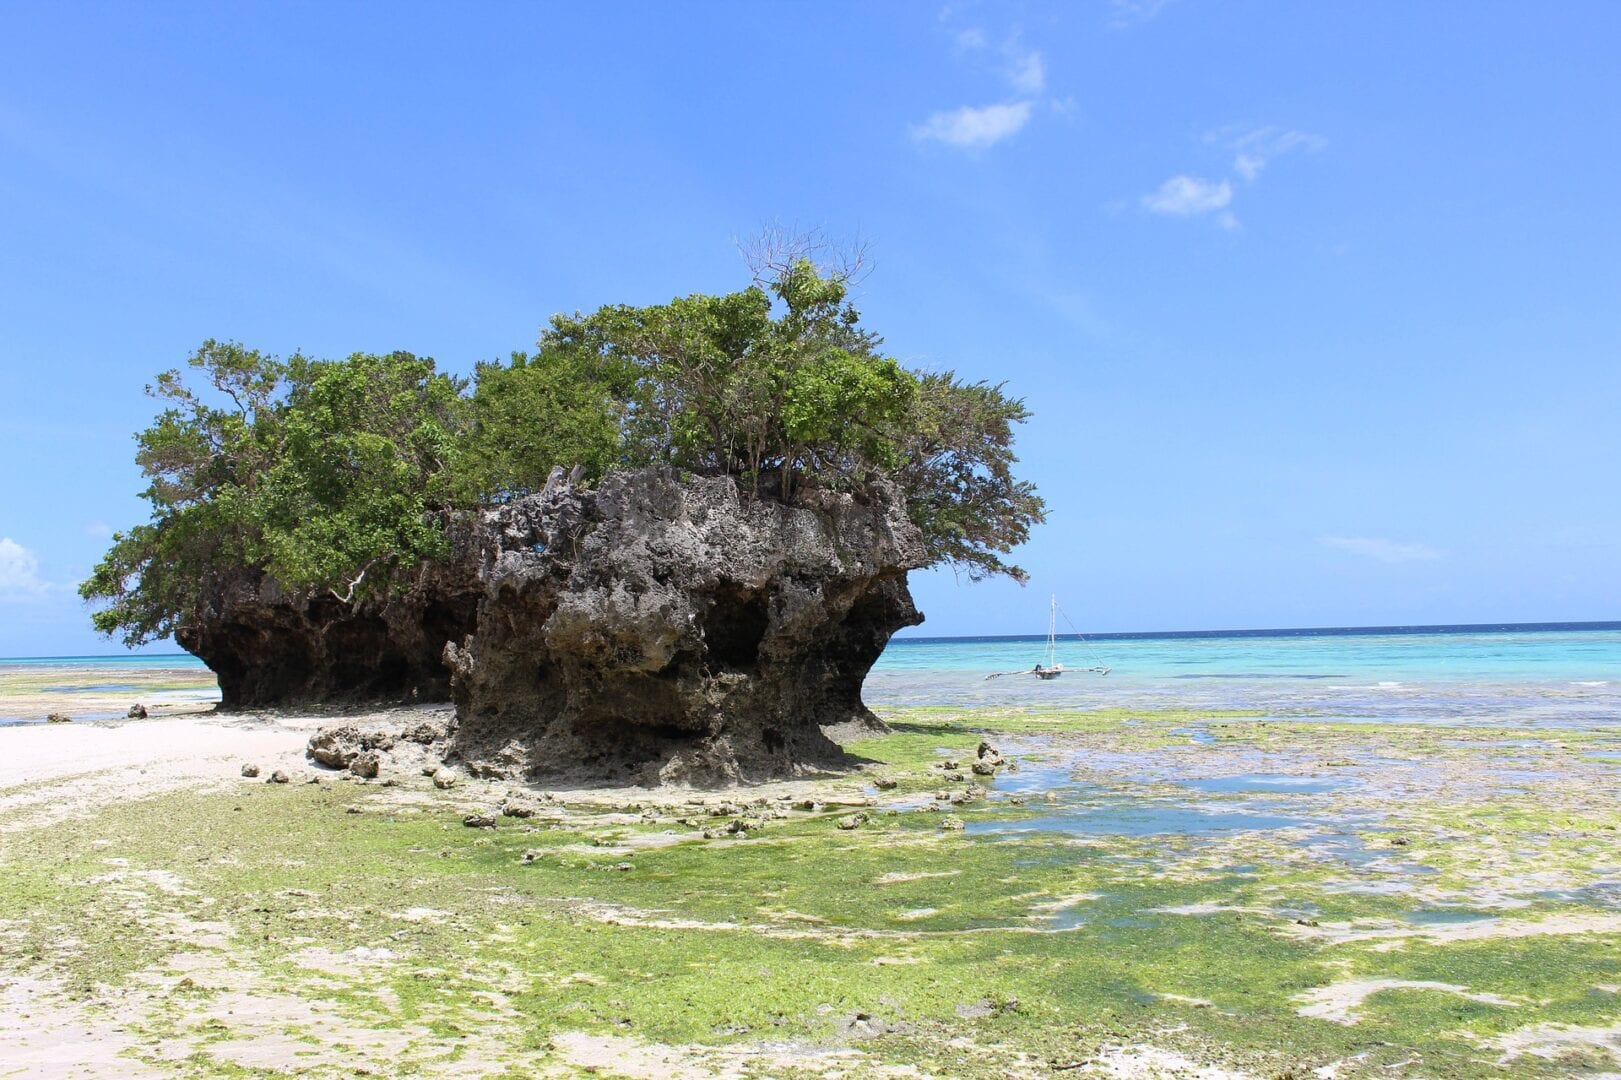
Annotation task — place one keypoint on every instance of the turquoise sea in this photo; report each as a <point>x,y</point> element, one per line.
<point>1558,674</point>
<point>1552,674</point>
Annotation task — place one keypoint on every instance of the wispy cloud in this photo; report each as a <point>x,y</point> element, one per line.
<point>1025,71</point>
<point>1189,196</point>
<point>1380,549</point>
<point>1124,13</point>
<point>19,572</point>
<point>1254,148</point>
<point>970,128</point>
<point>975,127</point>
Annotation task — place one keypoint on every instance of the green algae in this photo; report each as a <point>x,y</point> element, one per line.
<point>1044,944</point>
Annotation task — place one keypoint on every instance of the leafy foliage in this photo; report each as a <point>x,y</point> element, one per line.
<point>339,475</point>
<point>318,473</point>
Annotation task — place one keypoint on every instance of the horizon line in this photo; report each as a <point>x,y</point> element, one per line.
<point>1277,631</point>
<point>1392,628</point>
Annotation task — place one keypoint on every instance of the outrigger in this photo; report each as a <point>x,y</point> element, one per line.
<point>1052,669</point>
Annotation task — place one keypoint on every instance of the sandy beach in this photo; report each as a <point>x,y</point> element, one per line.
<point>1386,900</point>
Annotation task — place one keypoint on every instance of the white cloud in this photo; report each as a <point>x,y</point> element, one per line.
<point>1123,13</point>
<point>970,128</point>
<point>1025,73</point>
<point>1382,550</point>
<point>1255,148</point>
<point>1189,196</point>
<point>19,572</point>
<point>971,38</point>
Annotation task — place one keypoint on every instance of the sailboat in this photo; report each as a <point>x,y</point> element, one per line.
<point>1052,669</point>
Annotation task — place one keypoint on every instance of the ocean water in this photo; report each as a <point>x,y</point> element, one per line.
<point>1546,674</point>
<point>1550,674</point>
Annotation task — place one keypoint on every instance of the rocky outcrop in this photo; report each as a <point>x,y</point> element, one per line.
<point>657,629</point>
<point>272,647</point>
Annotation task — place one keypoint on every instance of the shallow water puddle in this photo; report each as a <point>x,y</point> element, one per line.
<point>1281,783</point>
<point>1139,818</point>
<point>1447,916</point>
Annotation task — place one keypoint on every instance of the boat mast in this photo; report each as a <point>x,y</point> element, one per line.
<point>1052,634</point>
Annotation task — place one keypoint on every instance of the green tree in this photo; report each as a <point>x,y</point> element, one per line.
<point>323,475</point>
<point>536,412</point>
<point>957,473</point>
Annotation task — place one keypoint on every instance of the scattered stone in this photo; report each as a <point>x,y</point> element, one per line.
<point>424,733</point>
<point>391,782</point>
<point>983,768</point>
<point>479,821</point>
<point>956,777</point>
<point>58,718</point>
<point>1012,764</point>
<point>943,796</point>
<point>337,748</point>
<point>250,770</point>
<point>952,823</point>
<point>949,764</point>
<point>623,866</point>
<point>443,779</point>
<point>351,810</point>
<point>1399,841</point>
<point>1305,922</point>
<point>852,821</point>
<point>510,808</point>
<point>366,765</point>
<point>136,712</point>
<point>805,804</point>
<point>429,770</point>
<point>986,750</point>
<point>531,854</point>
<point>885,783</point>
<point>279,777</point>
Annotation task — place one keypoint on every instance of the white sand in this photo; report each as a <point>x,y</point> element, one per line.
<point>49,772</point>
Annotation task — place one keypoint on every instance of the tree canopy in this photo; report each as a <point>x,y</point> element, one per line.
<point>340,476</point>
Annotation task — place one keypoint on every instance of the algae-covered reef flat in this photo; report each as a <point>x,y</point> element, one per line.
<point>1134,894</point>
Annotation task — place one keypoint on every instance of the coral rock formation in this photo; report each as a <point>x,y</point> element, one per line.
<point>270,647</point>
<point>656,629</point>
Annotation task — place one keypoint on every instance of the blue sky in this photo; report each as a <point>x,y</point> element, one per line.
<point>1318,306</point>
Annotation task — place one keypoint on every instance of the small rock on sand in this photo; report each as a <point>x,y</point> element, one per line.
<point>366,764</point>
<point>250,770</point>
<point>443,778</point>
<point>479,821</point>
<point>58,718</point>
<point>279,777</point>
<point>136,712</point>
<point>852,821</point>
<point>952,823</point>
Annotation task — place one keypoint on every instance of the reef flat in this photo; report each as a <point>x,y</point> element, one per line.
<point>1134,894</point>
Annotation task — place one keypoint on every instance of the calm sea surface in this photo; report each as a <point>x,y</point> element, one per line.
<point>1559,674</point>
<point>1553,674</point>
